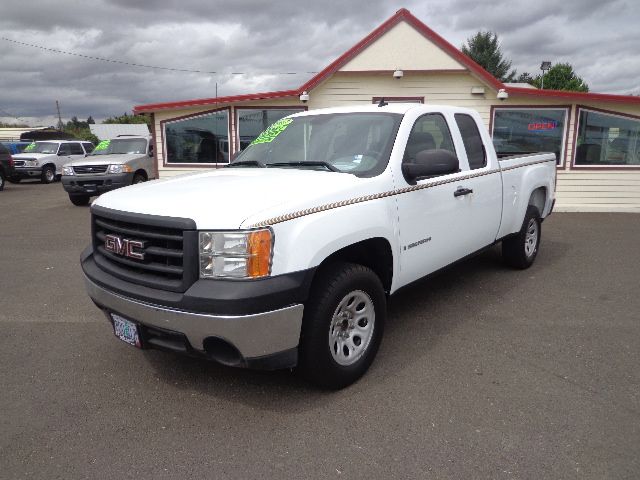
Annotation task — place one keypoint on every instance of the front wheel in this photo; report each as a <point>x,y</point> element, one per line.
<point>342,326</point>
<point>48,174</point>
<point>1,181</point>
<point>79,200</point>
<point>138,178</point>
<point>520,250</point>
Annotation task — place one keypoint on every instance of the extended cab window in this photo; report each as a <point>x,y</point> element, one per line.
<point>430,132</point>
<point>472,141</point>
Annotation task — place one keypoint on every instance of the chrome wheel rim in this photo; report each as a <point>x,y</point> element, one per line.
<point>49,174</point>
<point>351,328</point>
<point>531,238</point>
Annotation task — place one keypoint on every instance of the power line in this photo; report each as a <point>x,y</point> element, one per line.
<point>131,64</point>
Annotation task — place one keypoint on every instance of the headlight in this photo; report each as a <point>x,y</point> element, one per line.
<point>235,254</point>
<point>119,169</point>
<point>31,163</point>
<point>67,170</point>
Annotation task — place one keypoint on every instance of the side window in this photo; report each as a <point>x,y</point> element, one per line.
<point>88,147</point>
<point>430,132</point>
<point>64,149</point>
<point>76,149</point>
<point>472,141</point>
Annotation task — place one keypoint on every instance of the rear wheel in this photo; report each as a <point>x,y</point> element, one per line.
<point>48,174</point>
<point>2,181</point>
<point>521,249</point>
<point>342,326</point>
<point>79,200</point>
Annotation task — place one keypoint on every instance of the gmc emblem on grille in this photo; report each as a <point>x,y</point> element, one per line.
<point>124,247</point>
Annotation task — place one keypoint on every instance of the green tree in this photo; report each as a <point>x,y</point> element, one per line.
<point>125,118</point>
<point>561,77</point>
<point>484,49</point>
<point>90,120</point>
<point>525,77</point>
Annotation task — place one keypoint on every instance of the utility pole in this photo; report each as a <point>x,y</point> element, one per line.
<point>60,124</point>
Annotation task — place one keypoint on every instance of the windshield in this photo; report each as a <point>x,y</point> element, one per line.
<point>41,147</point>
<point>121,146</point>
<point>357,143</point>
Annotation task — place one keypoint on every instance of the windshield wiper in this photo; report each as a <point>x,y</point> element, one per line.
<point>326,165</point>
<point>247,163</point>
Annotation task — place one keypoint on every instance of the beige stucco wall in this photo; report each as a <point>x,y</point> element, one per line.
<point>402,47</point>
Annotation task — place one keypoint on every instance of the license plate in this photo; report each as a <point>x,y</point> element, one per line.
<point>126,330</point>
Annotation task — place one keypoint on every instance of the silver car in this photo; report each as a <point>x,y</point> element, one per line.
<point>114,163</point>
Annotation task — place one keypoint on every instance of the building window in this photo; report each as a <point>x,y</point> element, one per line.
<point>518,131</point>
<point>199,139</point>
<point>606,139</point>
<point>251,122</point>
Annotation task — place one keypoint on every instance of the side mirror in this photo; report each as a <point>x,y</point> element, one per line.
<point>430,163</point>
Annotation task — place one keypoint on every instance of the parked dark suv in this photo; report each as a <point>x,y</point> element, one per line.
<point>6,165</point>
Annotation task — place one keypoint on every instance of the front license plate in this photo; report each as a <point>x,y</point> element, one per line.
<point>126,330</point>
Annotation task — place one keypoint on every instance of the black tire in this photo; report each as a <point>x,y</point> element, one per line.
<point>138,178</point>
<point>79,200</point>
<point>2,181</point>
<point>330,321</point>
<point>14,179</point>
<point>520,250</point>
<point>48,174</point>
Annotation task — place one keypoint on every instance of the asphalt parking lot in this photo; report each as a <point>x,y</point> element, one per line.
<point>484,372</point>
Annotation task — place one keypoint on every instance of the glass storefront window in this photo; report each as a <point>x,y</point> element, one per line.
<point>530,130</point>
<point>607,139</point>
<point>201,139</point>
<point>253,121</point>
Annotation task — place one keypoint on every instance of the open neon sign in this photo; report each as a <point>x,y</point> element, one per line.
<point>542,126</point>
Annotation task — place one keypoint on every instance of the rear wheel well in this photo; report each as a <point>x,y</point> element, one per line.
<point>374,253</point>
<point>538,199</point>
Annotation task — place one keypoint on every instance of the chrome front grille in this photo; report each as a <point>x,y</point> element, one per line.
<point>89,169</point>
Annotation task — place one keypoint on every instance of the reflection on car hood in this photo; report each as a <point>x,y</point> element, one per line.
<point>116,158</point>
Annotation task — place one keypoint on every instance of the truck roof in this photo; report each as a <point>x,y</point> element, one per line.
<point>400,108</point>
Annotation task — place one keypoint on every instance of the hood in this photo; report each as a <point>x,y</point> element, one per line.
<point>227,198</point>
<point>117,158</point>
<point>32,156</point>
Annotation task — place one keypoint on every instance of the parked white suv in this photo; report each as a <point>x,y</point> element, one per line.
<point>114,163</point>
<point>44,159</point>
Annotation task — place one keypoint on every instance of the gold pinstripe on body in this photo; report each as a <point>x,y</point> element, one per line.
<point>375,196</point>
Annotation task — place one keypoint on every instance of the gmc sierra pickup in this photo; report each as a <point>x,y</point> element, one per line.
<point>286,257</point>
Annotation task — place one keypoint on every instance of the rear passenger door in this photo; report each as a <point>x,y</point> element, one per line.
<point>482,208</point>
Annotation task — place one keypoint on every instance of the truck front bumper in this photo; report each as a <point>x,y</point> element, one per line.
<point>27,172</point>
<point>243,324</point>
<point>95,184</point>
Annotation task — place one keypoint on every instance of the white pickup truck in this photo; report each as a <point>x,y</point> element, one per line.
<point>286,257</point>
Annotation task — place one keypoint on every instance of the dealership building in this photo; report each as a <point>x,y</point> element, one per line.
<point>596,137</point>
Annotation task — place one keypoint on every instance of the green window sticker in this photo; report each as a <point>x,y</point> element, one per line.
<point>31,147</point>
<point>273,131</point>
<point>103,145</point>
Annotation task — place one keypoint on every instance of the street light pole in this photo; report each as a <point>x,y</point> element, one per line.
<point>544,66</point>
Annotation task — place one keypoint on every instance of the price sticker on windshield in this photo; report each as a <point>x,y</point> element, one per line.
<point>31,147</point>
<point>103,145</point>
<point>273,131</point>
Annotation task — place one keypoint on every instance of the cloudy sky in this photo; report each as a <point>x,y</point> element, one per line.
<point>273,45</point>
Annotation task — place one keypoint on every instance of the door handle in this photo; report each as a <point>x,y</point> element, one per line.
<point>462,191</point>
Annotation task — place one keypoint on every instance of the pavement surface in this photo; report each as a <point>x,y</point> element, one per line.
<point>484,372</point>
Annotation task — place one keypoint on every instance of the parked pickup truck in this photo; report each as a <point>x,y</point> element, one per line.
<point>286,257</point>
<point>114,163</point>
